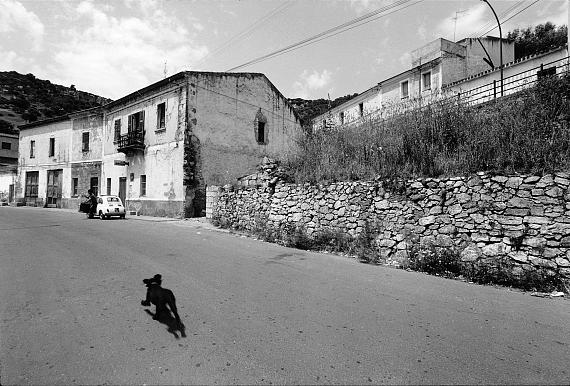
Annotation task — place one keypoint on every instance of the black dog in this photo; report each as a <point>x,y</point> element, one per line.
<point>162,297</point>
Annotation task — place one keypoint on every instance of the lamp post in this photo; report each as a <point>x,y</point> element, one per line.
<point>500,43</point>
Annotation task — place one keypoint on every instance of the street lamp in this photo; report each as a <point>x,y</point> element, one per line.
<point>500,43</point>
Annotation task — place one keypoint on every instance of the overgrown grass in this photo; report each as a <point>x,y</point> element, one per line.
<point>524,132</point>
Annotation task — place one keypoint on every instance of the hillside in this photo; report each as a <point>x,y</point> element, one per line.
<point>308,109</point>
<point>24,98</point>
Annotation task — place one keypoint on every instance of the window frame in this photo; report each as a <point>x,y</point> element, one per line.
<point>6,145</point>
<point>33,148</point>
<point>85,144</point>
<point>108,186</point>
<point>117,130</point>
<point>51,152</point>
<point>142,186</point>
<point>74,186</point>
<point>407,83</point>
<point>161,116</point>
<point>361,109</point>
<point>260,134</point>
<point>424,88</point>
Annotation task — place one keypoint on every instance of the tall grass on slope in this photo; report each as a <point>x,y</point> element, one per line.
<point>524,132</point>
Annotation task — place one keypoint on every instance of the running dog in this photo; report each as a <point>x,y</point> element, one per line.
<point>161,298</point>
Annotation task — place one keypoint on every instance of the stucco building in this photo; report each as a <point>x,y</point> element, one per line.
<point>159,147</point>
<point>163,144</point>
<point>8,164</point>
<point>432,66</point>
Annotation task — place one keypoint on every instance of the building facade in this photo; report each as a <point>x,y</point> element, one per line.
<point>432,66</point>
<point>9,142</point>
<point>164,144</point>
<point>159,147</point>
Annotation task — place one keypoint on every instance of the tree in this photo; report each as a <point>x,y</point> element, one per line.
<point>542,38</point>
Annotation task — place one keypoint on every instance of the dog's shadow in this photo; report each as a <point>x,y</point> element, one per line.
<point>173,326</point>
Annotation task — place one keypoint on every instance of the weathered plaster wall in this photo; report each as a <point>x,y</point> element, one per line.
<point>163,156</point>
<point>42,162</point>
<point>525,218</point>
<point>227,107</point>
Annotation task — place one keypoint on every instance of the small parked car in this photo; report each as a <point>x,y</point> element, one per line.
<point>110,206</point>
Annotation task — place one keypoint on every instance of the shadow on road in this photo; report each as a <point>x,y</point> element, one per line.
<point>167,319</point>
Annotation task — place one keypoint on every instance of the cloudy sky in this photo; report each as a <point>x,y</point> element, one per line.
<point>114,47</point>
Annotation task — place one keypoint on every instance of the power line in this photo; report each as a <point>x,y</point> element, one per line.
<point>322,35</point>
<point>504,21</point>
<point>248,30</point>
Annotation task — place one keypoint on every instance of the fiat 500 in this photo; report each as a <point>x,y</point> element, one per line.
<point>110,206</point>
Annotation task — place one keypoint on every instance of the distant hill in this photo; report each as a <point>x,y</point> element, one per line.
<point>308,109</point>
<point>24,98</point>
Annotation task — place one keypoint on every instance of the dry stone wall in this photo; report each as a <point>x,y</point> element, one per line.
<point>525,218</point>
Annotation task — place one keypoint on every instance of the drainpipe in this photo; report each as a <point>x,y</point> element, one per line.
<point>500,44</point>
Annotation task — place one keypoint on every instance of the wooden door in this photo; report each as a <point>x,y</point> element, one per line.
<point>123,190</point>
<point>53,195</point>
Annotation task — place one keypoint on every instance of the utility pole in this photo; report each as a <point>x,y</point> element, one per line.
<point>500,44</point>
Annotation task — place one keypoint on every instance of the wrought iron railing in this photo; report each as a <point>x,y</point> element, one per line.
<point>131,141</point>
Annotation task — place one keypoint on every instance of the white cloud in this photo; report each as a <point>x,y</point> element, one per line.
<point>311,82</point>
<point>113,56</point>
<point>15,20</point>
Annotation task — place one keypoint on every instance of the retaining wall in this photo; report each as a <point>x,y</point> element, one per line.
<point>524,217</point>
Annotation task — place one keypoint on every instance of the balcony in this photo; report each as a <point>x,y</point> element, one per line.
<point>131,142</point>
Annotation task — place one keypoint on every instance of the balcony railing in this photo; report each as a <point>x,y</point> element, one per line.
<point>131,142</point>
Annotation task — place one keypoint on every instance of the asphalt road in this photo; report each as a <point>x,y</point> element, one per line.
<point>255,313</point>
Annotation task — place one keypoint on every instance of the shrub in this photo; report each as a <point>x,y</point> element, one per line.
<point>434,260</point>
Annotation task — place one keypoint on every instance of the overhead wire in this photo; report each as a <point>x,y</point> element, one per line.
<point>328,33</point>
<point>242,35</point>
<point>504,21</point>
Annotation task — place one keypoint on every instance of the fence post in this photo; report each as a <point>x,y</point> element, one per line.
<point>494,89</point>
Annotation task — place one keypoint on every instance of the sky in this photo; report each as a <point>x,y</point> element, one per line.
<point>114,47</point>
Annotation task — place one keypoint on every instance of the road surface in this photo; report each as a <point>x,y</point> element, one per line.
<point>255,313</point>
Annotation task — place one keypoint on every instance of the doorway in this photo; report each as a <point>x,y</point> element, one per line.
<point>123,190</point>
<point>53,195</point>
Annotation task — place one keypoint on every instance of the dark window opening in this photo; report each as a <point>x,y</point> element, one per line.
<point>32,149</point>
<point>404,92</point>
<point>6,146</point>
<point>117,130</point>
<point>161,116</point>
<point>143,185</point>
<point>361,109</point>
<point>85,142</point>
<point>51,147</point>
<point>32,184</point>
<point>136,122</point>
<point>342,118</point>
<point>426,81</point>
<point>108,186</point>
<point>74,186</point>
<point>261,132</point>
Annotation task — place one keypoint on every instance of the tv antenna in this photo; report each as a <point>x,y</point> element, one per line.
<point>165,71</point>
<point>457,13</point>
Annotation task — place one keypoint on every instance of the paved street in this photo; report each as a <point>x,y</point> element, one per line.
<point>255,313</point>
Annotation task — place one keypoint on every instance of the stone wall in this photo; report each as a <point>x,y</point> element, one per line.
<point>524,218</point>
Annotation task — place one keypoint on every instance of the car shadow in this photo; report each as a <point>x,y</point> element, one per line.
<point>172,325</point>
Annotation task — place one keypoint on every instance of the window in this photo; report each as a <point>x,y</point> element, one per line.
<point>51,147</point>
<point>260,132</point>
<point>324,123</point>
<point>32,184</point>
<point>108,186</point>
<point>6,146</point>
<point>85,142</point>
<point>342,118</point>
<point>136,122</point>
<point>361,109</point>
<point>32,149</point>
<point>74,185</point>
<point>143,185</point>
<point>161,116</point>
<point>404,92</point>
<point>117,130</point>
<point>426,81</point>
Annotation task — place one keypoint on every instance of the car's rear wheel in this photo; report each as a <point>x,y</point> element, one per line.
<point>122,216</point>
<point>101,215</point>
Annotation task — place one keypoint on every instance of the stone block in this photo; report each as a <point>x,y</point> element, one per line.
<point>536,220</point>
<point>531,179</point>
<point>463,197</point>
<point>535,242</point>
<point>427,220</point>
<point>518,256</point>
<point>435,210</point>
<point>513,182</point>
<point>471,253</point>
<point>554,192</point>
<point>478,218</point>
<point>517,202</point>
<point>517,211</point>
<point>382,205</point>
<point>509,220</point>
<point>500,179</point>
<point>562,262</point>
<point>454,209</point>
<point>496,249</point>
<point>447,229</point>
